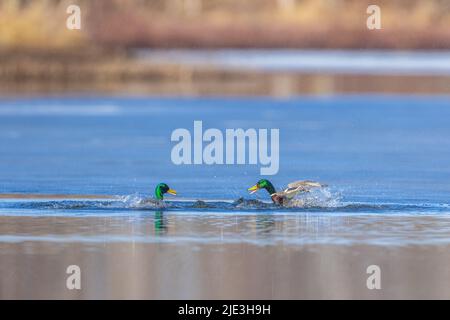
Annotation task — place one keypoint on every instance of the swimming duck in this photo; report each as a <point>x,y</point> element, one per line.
<point>283,197</point>
<point>161,189</point>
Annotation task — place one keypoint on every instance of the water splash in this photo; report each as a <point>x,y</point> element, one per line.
<point>136,201</point>
<point>316,198</point>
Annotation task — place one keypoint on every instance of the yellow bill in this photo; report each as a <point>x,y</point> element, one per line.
<point>171,191</point>
<point>253,189</point>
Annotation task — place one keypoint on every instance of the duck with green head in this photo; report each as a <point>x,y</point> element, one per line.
<point>283,197</point>
<point>161,189</point>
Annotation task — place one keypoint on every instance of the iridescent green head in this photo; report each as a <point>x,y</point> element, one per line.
<point>161,189</point>
<point>263,184</point>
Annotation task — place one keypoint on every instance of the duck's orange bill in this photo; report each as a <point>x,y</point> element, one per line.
<point>253,189</point>
<point>171,191</point>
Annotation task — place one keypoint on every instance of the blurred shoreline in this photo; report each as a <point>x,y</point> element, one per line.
<point>125,73</point>
<point>40,55</point>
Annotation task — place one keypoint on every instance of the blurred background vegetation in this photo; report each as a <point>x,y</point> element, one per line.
<point>38,52</point>
<point>406,24</point>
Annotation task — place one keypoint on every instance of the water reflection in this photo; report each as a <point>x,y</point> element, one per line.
<point>222,255</point>
<point>265,224</point>
<point>160,223</point>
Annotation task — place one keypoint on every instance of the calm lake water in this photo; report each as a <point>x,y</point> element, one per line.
<point>386,160</point>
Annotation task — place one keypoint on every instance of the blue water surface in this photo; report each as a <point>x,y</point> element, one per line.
<point>370,149</point>
<point>386,160</point>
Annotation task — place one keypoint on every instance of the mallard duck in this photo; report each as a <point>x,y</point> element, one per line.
<point>283,197</point>
<point>161,189</point>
